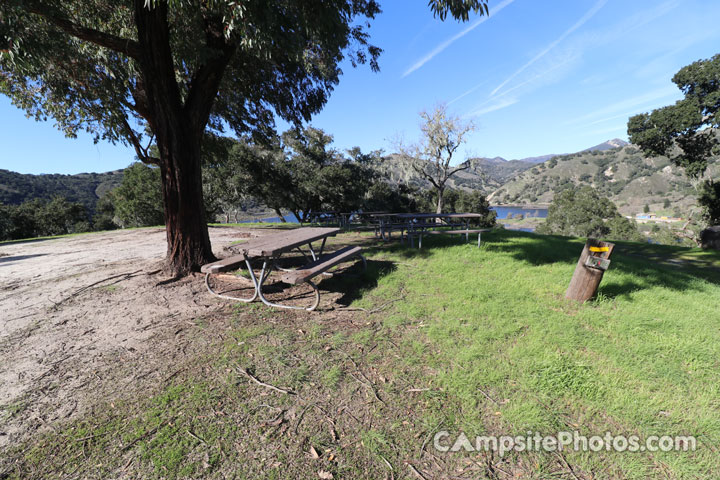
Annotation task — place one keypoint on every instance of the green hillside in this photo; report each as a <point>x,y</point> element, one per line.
<point>624,175</point>
<point>85,188</point>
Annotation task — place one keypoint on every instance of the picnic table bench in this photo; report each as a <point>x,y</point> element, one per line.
<point>270,248</point>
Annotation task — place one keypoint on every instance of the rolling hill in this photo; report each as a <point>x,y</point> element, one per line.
<point>85,188</point>
<point>484,174</point>
<point>616,168</point>
<point>622,173</point>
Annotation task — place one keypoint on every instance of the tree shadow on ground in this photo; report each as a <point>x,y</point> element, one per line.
<point>651,265</point>
<point>17,258</point>
<point>353,282</point>
<point>350,280</point>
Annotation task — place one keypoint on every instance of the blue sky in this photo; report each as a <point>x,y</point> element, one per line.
<point>534,77</point>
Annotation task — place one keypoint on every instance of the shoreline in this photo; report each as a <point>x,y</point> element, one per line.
<point>529,206</point>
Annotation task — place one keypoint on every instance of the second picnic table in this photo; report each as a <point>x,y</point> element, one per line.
<point>270,248</point>
<point>418,224</point>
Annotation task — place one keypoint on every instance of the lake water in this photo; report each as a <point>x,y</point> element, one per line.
<point>503,212</point>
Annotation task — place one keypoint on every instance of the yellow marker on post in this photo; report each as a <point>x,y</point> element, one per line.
<point>599,249</point>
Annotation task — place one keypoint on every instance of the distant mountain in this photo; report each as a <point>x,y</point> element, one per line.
<point>621,172</point>
<point>540,159</point>
<point>84,188</point>
<point>609,145</point>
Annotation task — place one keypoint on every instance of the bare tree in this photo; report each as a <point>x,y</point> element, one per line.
<point>442,135</point>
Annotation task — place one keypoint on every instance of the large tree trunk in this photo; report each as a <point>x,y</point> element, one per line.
<point>178,136</point>
<point>440,193</point>
<point>279,214</point>
<point>185,224</point>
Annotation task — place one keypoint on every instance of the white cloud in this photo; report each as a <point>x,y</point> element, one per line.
<point>588,15</point>
<point>451,40</point>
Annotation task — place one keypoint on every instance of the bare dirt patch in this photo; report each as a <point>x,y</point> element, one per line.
<point>86,317</point>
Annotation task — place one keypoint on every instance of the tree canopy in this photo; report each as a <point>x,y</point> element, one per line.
<point>686,131</point>
<point>299,172</point>
<point>150,71</point>
<point>583,212</point>
<point>138,200</point>
<point>39,217</point>
<point>442,135</point>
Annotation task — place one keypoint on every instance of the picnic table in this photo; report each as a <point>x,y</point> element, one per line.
<point>270,248</point>
<point>416,225</point>
<point>382,222</point>
<point>420,224</point>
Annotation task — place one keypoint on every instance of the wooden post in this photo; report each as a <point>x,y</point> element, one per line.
<point>594,260</point>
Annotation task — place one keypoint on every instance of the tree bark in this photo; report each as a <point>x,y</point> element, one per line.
<point>439,209</point>
<point>179,145</point>
<point>280,215</point>
<point>185,224</point>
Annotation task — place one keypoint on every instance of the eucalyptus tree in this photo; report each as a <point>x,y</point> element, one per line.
<point>150,71</point>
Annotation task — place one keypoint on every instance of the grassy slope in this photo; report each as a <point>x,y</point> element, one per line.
<point>486,331</point>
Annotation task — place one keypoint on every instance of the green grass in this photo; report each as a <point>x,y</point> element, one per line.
<point>483,335</point>
<point>642,358</point>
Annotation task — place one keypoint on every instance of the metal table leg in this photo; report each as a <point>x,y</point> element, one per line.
<point>258,282</point>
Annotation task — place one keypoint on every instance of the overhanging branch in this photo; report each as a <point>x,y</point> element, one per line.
<point>142,152</point>
<point>458,169</point>
<point>126,46</point>
<point>206,80</point>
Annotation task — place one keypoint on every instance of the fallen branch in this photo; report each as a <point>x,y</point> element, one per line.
<point>488,396</point>
<point>245,372</point>
<point>196,437</point>
<point>138,438</point>
<point>427,439</point>
<point>369,386</point>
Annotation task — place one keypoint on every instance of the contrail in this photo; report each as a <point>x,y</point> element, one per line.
<point>590,13</point>
<point>451,40</point>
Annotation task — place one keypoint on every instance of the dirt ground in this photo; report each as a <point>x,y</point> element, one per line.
<point>89,316</point>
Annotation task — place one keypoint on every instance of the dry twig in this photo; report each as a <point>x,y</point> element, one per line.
<point>416,472</point>
<point>245,372</point>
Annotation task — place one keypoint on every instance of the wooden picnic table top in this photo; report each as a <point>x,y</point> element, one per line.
<point>281,242</point>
